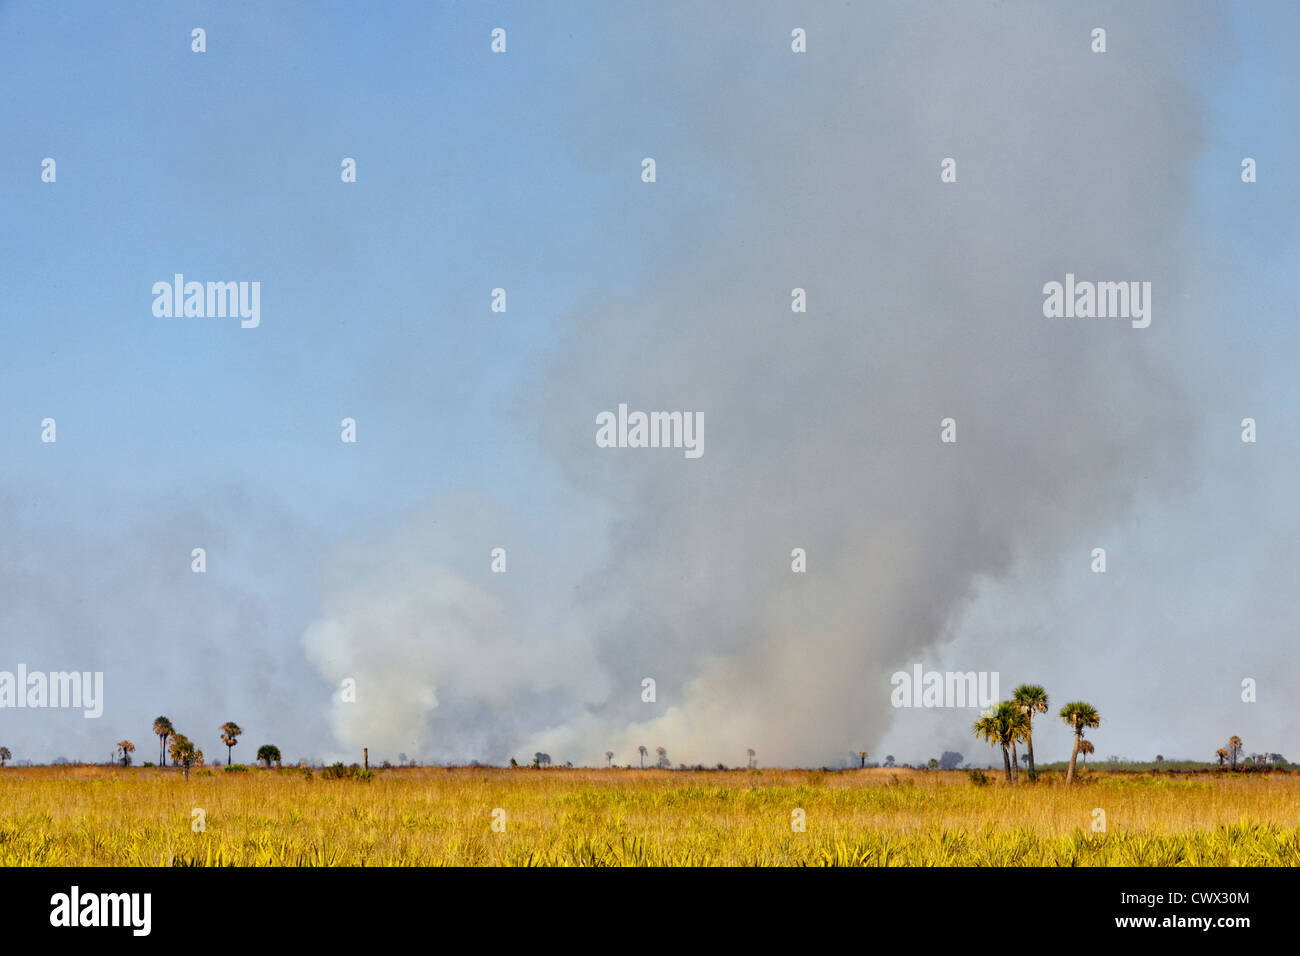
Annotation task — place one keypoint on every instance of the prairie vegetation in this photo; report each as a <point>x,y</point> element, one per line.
<point>424,816</point>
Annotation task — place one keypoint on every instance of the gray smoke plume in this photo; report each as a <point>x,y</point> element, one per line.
<point>924,302</point>
<point>817,171</point>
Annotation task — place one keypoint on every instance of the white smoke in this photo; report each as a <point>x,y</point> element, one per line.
<point>447,665</point>
<point>924,302</point>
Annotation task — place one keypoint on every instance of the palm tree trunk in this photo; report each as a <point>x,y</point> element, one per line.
<point>228,746</point>
<point>162,753</point>
<point>1015,764</point>
<point>1029,755</point>
<point>1074,754</point>
<point>1006,761</point>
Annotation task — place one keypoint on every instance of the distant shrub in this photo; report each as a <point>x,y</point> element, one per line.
<point>236,768</point>
<point>979,778</point>
<point>339,772</point>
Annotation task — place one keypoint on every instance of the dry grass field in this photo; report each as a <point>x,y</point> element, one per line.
<point>87,816</point>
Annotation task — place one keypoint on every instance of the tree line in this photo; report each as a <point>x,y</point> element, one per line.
<point>185,754</point>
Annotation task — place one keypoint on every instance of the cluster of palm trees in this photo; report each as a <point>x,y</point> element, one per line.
<point>1013,721</point>
<point>182,750</point>
<point>1230,753</point>
<point>661,754</point>
<point>1233,753</point>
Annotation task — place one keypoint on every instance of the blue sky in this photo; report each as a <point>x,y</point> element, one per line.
<point>521,171</point>
<point>227,164</point>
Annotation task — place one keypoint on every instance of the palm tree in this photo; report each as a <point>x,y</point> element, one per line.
<point>1085,748</point>
<point>1016,727</point>
<point>642,751</point>
<point>164,729</point>
<point>230,732</point>
<point>1078,716</point>
<point>270,753</point>
<point>4,755</point>
<point>862,759</point>
<point>1234,750</point>
<point>1222,754</point>
<point>609,758</point>
<point>1003,725</point>
<point>986,728</point>
<point>184,753</point>
<point>1031,699</point>
<point>750,754</point>
<point>124,750</point>
<point>662,753</point>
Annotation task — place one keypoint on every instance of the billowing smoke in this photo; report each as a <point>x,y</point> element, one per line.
<point>439,663</point>
<point>817,171</point>
<point>400,636</point>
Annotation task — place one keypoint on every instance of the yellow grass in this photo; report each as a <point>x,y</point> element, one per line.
<point>432,816</point>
